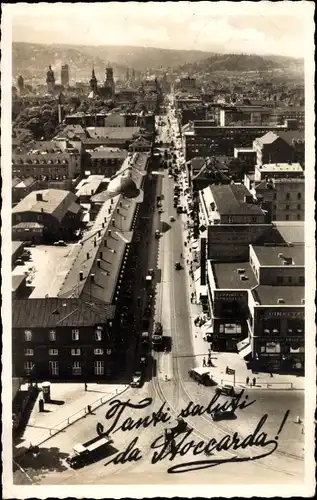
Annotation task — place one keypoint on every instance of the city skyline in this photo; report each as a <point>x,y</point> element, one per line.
<point>263,29</point>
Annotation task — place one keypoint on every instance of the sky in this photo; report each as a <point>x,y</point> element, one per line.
<point>251,27</point>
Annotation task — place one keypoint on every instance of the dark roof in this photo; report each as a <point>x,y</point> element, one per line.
<point>269,295</point>
<point>290,135</point>
<point>17,279</point>
<point>23,183</point>
<point>229,199</point>
<point>40,158</point>
<point>56,312</point>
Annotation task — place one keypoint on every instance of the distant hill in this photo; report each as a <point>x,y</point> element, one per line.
<point>242,62</point>
<point>30,58</point>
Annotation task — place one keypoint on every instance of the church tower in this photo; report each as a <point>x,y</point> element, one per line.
<point>20,84</point>
<point>93,81</point>
<point>50,80</point>
<point>109,81</point>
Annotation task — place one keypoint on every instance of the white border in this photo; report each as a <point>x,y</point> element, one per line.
<point>305,489</point>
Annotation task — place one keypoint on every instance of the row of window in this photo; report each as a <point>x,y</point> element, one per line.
<point>75,334</point>
<point>275,331</point>
<point>74,352</point>
<point>276,348</point>
<point>76,368</point>
<point>288,197</point>
<point>280,280</point>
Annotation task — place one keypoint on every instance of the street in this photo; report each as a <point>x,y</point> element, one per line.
<point>168,381</point>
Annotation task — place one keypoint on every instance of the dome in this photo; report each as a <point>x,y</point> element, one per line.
<point>123,185</point>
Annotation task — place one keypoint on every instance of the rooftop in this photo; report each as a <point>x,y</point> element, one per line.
<point>54,312</point>
<point>291,231</point>
<point>16,245</point>
<point>113,132</point>
<point>269,295</point>
<point>275,255</point>
<point>228,275</point>
<point>89,186</point>
<point>229,199</point>
<point>281,167</point>
<point>56,202</point>
<point>104,152</point>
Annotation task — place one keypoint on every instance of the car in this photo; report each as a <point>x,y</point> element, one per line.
<point>136,379</point>
<point>201,376</point>
<point>170,176</point>
<point>225,390</point>
<point>157,234</point>
<point>223,415</point>
<point>178,266</point>
<point>160,211</point>
<point>60,243</point>
<point>172,218</point>
<point>143,360</point>
<point>147,312</point>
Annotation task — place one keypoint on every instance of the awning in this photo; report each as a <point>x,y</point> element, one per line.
<point>246,351</point>
<point>194,244</point>
<point>243,343</point>
<point>207,328</point>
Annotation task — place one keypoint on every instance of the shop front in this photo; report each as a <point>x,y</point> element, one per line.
<point>280,342</point>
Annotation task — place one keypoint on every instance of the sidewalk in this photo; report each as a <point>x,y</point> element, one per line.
<point>68,404</point>
<point>227,359</point>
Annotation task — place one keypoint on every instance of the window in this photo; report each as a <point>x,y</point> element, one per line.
<point>279,280</point>
<point>28,335</point>
<point>299,196</point>
<point>98,333</point>
<point>299,207</point>
<point>287,207</point>
<point>99,368</point>
<point>298,217</point>
<point>98,352</point>
<point>75,352</point>
<point>76,368</point>
<point>28,367</point>
<point>53,367</point>
<point>287,217</point>
<point>53,352</point>
<point>288,196</point>
<point>52,335</point>
<point>75,334</point>
<point>253,219</point>
<point>289,279</point>
<point>29,352</point>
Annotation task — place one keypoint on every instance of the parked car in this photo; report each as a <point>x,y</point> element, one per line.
<point>60,243</point>
<point>201,375</point>
<point>223,415</point>
<point>172,219</point>
<point>225,390</point>
<point>158,328</point>
<point>178,266</point>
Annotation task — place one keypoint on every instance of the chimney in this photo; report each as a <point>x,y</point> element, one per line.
<point>88,256</point>
<point>81,276</point>
<point>100,255</point>
<point>42,209</point>
<point>113,222</point>
<point>103,225</point>
<point>92,278</point>
<point>95,242</point>
<point>39,197</point>
<point>109,232</point>
<point>98,262</point>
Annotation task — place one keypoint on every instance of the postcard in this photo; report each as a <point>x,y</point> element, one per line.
<point>159,337</point>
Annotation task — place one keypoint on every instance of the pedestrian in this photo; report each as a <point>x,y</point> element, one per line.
<point>247,380</point>
<point>85,386</point>
<point>204,362</point>
<point>209,362</point>
<point>254,381</point>
<point>89,409</point>
<point>271,374</point>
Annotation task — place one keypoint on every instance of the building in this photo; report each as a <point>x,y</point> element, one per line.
<point>247,155</point>
<point>282,188</point>
<point>55,211</point>
<point>65,75</point>
<point>202,172</point>
<point>89,186</point>
<point>271,148</point>
<point>50,81</point>
<point>63,339</point>
<point>262,299</point>
<point>247,114</point>
<point>22,187</point>
<point>230,221</point>
<point>106,161</point>
<point>50,165</point>
<point>117,137</point>
<point>207,140</point>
